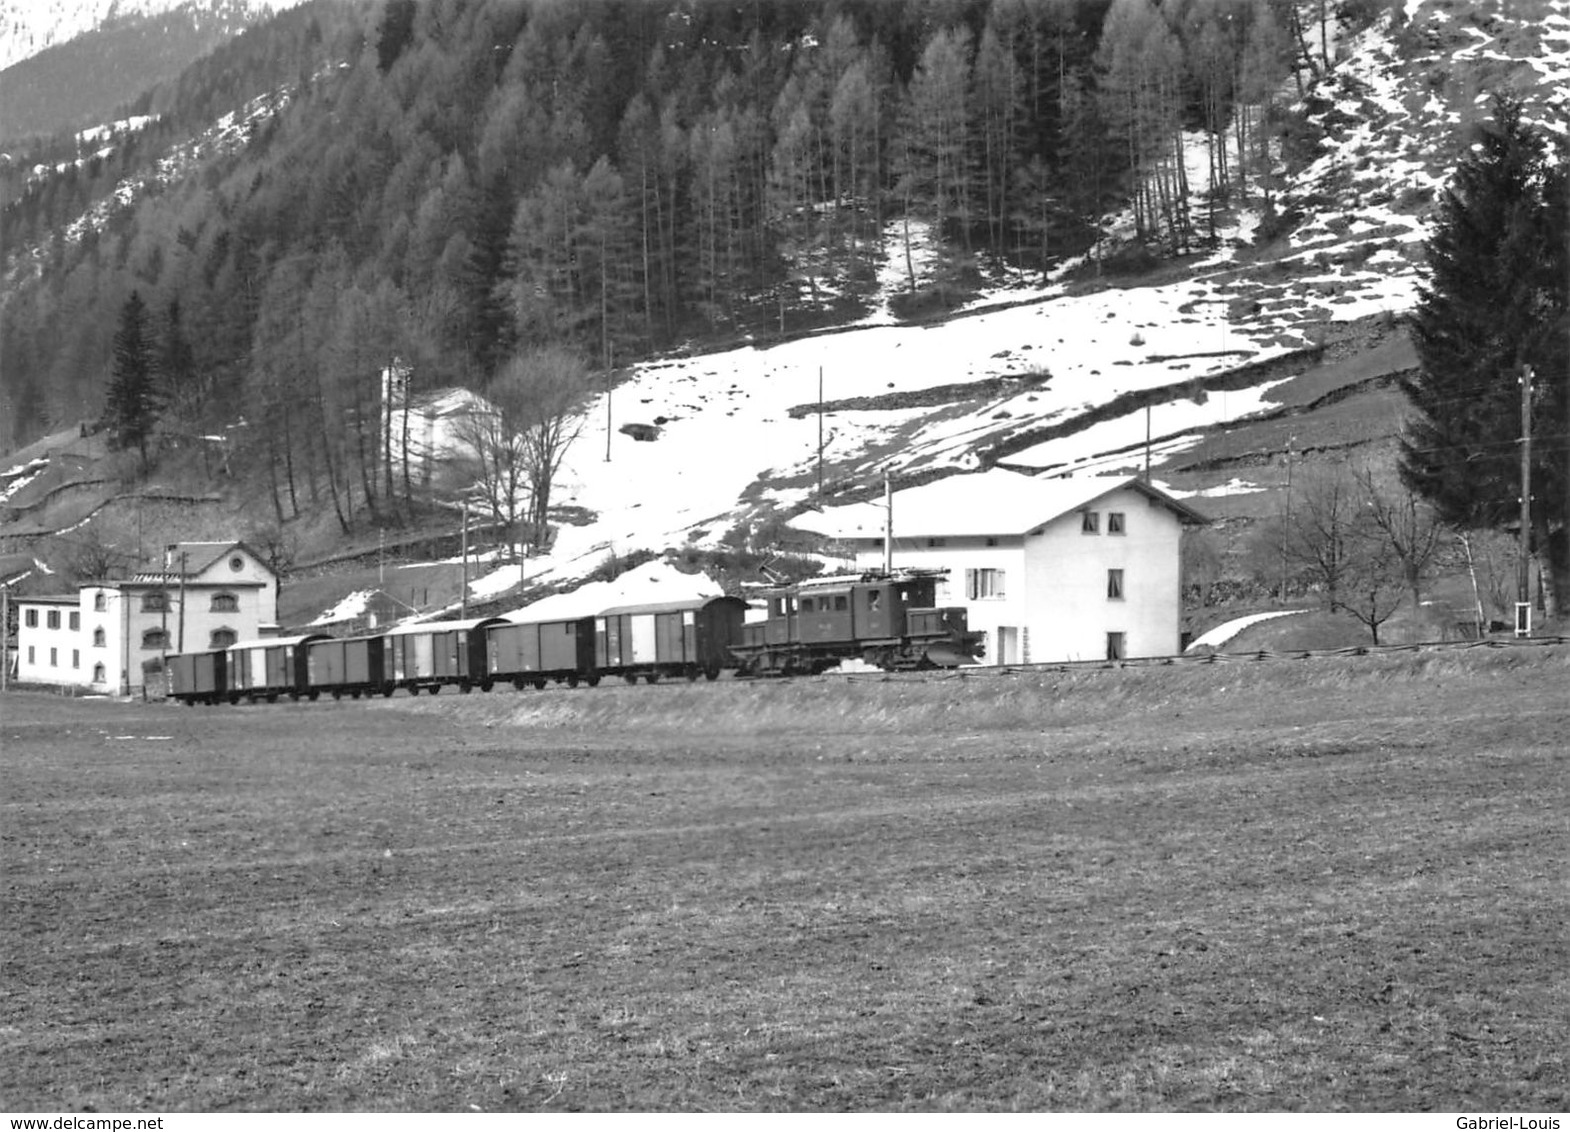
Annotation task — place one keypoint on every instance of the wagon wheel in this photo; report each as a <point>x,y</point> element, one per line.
<point>712,672</point>
<point>539,685</point>
<point>572,680</point>
<point>272,697</point>
<point>651,678</point>
<point>414,689</point>
<point>337,694</point>
<point>436,689</point>
<point>593,681</point>
<point>465,687</point>
<point>387,689</point>
<point>519,682</point>
<point>234,697</point>
<point>313,695</point>
<point>630,677</point>
<point>691,674</point>
<point>486,685</point>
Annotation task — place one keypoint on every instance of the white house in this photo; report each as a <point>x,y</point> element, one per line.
<point>209,595</point>
<point>423,430</point>
<point>1081,568</point>
<point>48,639</point>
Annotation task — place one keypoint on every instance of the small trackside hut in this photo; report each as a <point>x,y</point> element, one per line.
<point>678,638</point>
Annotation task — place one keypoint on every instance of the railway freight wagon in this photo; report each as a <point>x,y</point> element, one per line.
<point>270,667</point>
<point>679,638</point>
<point>197,677</point>
<point>345,664</point>
<point>434,653</point>
<point>536,652</point>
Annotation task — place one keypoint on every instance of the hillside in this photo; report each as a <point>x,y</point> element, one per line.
<point>74,71</point>
<point>1268,335</point>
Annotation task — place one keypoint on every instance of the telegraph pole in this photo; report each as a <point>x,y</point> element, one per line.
<point>820,438</point>
<point>1523,608</point>
<point>463,606</point>
<point>184,556</point>
<point>888,525</point>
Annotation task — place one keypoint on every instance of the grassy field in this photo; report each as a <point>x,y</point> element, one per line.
<point>1285,885</point>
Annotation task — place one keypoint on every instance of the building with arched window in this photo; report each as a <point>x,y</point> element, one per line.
<point>207,595</point>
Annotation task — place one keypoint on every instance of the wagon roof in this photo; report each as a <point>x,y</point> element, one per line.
<point>269,642</point>
<point>668,606</point>
<point>468,625</point>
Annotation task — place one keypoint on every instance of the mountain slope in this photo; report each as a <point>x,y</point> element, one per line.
<point>71,80</point>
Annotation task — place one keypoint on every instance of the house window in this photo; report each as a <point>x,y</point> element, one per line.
<point>983,583</point>
<point>76,621</point>
<point>99,676</point>
<point>31,620</point>
<point>54,658</point>
<point>937,542</point>
<point>53,618</point>
<point>1115,646</point>
<point>1090,523</point>
<point>1115,584</point>
<point>225,603</point>
<point>100,602</point>
<point>98,638</point>
<point>155,639</point>
<point>155,601</point>
<point>223,638</point>
<point>1114,522</point>
<point>76,658</point>
<point>29,654</point>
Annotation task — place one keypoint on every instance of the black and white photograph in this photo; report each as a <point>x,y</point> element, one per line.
<point>784,556</point>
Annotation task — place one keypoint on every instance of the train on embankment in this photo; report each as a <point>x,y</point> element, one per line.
<point>888,619</point>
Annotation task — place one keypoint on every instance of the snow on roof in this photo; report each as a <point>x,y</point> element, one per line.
<point>349,606</point>
<point>1224,632</point>
<point>653,583</point>
<point>996,502</point>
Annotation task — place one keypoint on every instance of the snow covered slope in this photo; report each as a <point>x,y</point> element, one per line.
<point>738,434</point>
<point>30,26</point>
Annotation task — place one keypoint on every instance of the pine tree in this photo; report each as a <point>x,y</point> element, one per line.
<point>1497,303</point>
<point>132,407</point>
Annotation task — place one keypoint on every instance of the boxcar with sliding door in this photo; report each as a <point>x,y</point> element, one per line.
<point>269,667</point>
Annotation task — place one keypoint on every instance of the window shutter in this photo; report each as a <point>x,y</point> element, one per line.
<point>970,583</point>
<point>999,588</point>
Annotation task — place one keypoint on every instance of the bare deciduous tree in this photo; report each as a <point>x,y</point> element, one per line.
<point>518,440</point>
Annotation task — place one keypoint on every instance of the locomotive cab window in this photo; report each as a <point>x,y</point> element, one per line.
<point>841,603</point>
<point>806,605</point>
<point>874,600</point>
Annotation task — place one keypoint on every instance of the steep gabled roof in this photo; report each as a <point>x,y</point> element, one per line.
<point>196,557</point>
<point>996,502</point>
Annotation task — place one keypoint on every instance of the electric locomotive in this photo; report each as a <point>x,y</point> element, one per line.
<point>887,619</point>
